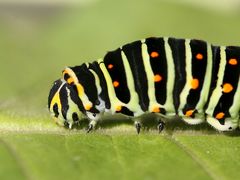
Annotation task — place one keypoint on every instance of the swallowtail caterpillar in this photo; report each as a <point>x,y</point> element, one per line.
<point>188,78</point>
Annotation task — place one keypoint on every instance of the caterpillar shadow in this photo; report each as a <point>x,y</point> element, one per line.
<point>149,123</point>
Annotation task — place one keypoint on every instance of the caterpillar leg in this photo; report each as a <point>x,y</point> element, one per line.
<point>91,125</point>
<point>228,124</point>
<point>160,125</point>
<point>70,125</point>
<point>138,126</point>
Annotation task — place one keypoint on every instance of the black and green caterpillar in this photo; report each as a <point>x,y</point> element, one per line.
<point>171,77</point>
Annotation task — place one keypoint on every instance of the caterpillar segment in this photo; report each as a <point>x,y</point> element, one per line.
<point>170,77</point>
<point>224,102</point>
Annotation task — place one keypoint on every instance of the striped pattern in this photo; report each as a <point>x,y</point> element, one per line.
<point>189,78</point>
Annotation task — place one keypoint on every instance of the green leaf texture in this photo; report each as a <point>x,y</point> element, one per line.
<point>38,40</point>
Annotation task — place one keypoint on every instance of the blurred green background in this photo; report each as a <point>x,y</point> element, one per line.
<point>39,38</point>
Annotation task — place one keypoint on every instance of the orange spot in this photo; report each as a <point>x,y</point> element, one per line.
<point>64,72</point>
<point>110,66</point>
<point>199,56</point>
<point>194,83</point>
<point>220,115</point>
<point>156,109</point>
<point>157,78</point>
<point>70,80</point>
<point>154,54</point>
<point>118,108</point>
<point>115,83</point>
<point>227,88</point>
<point>233,61</point>
<point>88,107</point>
<point>189,113</point>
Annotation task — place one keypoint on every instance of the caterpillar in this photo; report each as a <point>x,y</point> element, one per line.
<point>187,78</point>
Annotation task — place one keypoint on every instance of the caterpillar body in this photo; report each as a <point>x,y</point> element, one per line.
<point>188,78</point>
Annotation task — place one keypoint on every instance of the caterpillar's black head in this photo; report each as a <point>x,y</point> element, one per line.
<point>64,104</point>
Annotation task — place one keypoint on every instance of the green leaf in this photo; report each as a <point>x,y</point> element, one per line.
<point>101,156</point>
<point>38,42</point>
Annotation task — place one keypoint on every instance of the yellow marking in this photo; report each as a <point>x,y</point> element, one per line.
<point>65,72</point>
<point>220,115</point>
<point>80,90</point>
<point>156,109</point>
<point>227,88</point>
<point>88,107</point>
<point>70,80</point>
<point>233,61</point>
<point>71,74</point>
<point>56,100</point>
<point>189,113</point>
<point>118,108</point>
<point>195,83</point>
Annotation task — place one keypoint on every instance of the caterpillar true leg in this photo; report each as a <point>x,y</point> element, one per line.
<point>138,126</point>
<point>160,125</point>
<point>91,126</point>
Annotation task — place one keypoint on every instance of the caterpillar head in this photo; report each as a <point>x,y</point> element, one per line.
<point>64,104</point>
<point>75,97</point>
